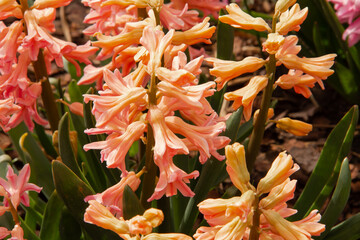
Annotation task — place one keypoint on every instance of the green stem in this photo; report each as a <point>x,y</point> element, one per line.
<point>259,126</point>
<point>46,93</point>
<point>254,230</point>
<point>151,168</point>
<point>42,76</point>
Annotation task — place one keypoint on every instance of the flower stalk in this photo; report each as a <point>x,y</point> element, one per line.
<point>13,212</point>
<point>254,230</point>
<point>150,166</point>
<point>259,126</point>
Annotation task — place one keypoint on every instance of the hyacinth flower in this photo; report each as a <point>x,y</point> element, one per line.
<point>348,12</point>
<point>303,72</point>
<point>127,111</point>
<point>119,24</point>
<point>14,191</point>
<point>119,110</point>
<point>139,227</point>
<point>28,40</point>
<point>265,205</point>
<point>282,50</point>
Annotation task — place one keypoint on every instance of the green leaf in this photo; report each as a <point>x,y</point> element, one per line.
<point>69,228</point>
<point>113,175</point>
<point>225,44</point>
<point>65,146</point>
<point>50,225</point>
<point>233,124</point>
<point>336,147</point>
<point>338,200</point>
<point>72,190</point>
<point>45,141</point>
<point>75,92</point>
<point>32,153</point>
<point>131,204</point>
<point>28,233</point>
<point>347,81</point>
<point>348,229</point>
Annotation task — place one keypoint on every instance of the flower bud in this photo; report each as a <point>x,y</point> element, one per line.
<point>273,43</point>
<point>139,225</point>
<point>296,127</point>
<point>270,114</point>
<point>154,216</point>
<point>236,166</point>
<point>283,5</point>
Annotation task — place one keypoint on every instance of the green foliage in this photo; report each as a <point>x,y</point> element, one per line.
<point>322,178</point>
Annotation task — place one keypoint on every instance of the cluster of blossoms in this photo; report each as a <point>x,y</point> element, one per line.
<point>14,192</point>
<point>348,11</point>
<point>28,40</point>
<point>118,29</point>
<point>125,109</point>
<point>232,218</point>
<point>136,228</point>
<point>303,72</point>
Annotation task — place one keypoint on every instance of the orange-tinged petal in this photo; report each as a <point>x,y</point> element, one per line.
<point>41,4</point>
<point>100,216</point>
<point>239,19</point>
<point>232,230</point>
<point>224,70</point>
<point>166,236</point>
<point>201,32</point>
<point>311,223</point>
<point>316,67</point>
<point>286,229</point>
<point>279,194</point>
<point>246,95</point>
<point>282,167</point>
<point>291,20</point>
<point>283,5</point>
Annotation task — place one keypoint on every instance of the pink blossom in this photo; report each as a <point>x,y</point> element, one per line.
<point>352,33</point>
<point>10,8</point>
<point>116,145</point>
<point>7,108</point>
<point>9,45</point>
<point>206,6</point>
<point>113,196</point>
<point>171,179</point>
<point>17,185</point>
<point>4,232</point>
<point>178,19</point>
<point>38,37</point>
<point>348,11</point>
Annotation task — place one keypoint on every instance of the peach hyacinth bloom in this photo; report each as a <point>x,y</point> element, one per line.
<point>239,19</point>
<point>245,96</point>
<point>225,70</point>
<point>138,227</point>
<point>232,218</point>
<point>112,197</point>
